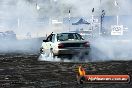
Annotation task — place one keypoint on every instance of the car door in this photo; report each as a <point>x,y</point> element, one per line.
<point>48,43</point>
<point>53,42</point>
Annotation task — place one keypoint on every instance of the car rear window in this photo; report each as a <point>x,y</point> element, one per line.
<point>69,36</point>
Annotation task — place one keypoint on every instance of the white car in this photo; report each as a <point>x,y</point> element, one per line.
<point>65,44</point>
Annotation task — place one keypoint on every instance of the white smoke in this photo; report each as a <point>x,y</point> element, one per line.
<point>22,16</point>
<point>111,49</point>
<point>107,48</point>
<point>103,48</point>
<point>116,47</point>
<point>18,16</point>
<point>82,8</point>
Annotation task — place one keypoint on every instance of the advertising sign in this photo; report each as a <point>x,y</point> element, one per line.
<point>116,29</point>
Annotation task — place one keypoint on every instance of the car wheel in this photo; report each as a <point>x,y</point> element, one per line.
<point>85,56</point>
<point>51,54</point>
<point>41,50</point>
<point>45,53</point>
<point>70,57</point>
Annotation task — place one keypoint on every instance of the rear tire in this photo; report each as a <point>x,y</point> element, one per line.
<point>51,54</point>
<point>41,50</point>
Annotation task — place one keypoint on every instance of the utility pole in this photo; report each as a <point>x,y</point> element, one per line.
<point>69,19</point>
<point>101,17</point>
<point>117,16</point>
<point>92,22</point>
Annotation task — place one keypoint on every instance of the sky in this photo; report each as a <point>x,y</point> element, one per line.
<point>22,16</point>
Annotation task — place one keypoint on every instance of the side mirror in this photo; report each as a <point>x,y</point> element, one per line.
<point>44,40</point>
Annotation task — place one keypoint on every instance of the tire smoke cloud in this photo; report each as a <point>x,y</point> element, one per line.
<point>22,17</point>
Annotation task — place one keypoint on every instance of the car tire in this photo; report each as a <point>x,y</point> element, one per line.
<point>41,50</point>
<point>45,53</point>
<point>51,54</point>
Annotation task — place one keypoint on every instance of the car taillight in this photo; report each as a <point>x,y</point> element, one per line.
<point>86,44</point>
<point>60,45</point>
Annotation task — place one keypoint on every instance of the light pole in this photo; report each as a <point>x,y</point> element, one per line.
<point>18,23</point>
<point>69,19</point>
<point>117,17</point>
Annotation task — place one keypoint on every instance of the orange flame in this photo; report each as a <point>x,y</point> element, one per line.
<point>81,71</point>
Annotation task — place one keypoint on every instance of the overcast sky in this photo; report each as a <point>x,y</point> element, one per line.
<point>20,14</point>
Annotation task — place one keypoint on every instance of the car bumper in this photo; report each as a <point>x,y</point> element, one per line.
<point>71,51</point>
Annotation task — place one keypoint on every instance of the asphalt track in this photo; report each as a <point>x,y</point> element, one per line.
<point>25,71</point>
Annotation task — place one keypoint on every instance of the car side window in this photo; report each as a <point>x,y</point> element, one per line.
<point>49,38</point>
<point>53,38</point>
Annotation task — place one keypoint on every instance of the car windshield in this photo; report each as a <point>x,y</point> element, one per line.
<point>69,36</point>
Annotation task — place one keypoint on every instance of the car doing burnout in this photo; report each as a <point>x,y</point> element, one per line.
<point>61,44</point>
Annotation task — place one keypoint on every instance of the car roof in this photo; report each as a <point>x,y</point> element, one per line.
<point>62,32</point>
